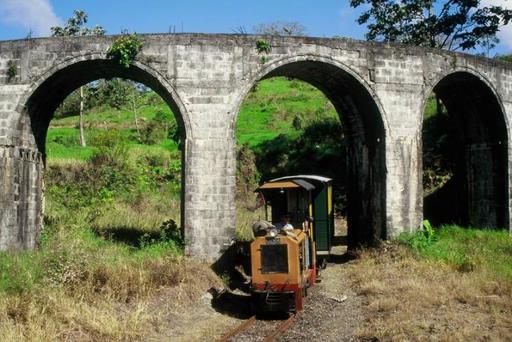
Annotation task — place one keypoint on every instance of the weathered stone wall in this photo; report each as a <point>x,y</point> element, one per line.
<point>204,78</point>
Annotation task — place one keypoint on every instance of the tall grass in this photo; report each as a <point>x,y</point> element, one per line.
<point>467,249</point>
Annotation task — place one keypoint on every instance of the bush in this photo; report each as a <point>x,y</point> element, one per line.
<point>153,133</point>
<point>65,140</point>
<point>125,49</point>
<point>421,239</point>
<point>247,176</point>
<point>111,149</point>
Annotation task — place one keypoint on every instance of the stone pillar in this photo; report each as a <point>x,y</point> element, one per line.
<point>21,198</point>
<point>20,176</point>
<point>508,212</point>
<point>403,105</point>
<point>404,189</point>
<point>209,196</point>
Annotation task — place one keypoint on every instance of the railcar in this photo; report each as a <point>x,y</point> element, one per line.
<point>284,255</point>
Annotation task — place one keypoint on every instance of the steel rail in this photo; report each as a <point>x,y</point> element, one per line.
<point>280,329</point>
<point>239,329</point>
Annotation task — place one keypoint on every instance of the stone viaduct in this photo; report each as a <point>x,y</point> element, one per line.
<point>379,91</point>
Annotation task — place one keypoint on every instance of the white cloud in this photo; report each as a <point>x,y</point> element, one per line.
<point>33,15</point>
<point>505,34</point>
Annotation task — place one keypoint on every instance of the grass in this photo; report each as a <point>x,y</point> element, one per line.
<point>468,249</point>
<point>108,252</point>
<point>271,108</point>
<point>430,107</point>
<point>425,294</point>
<point>98,274</point>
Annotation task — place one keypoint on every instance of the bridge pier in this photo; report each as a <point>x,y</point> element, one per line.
<point>21,201</point>
<point>209,203</point>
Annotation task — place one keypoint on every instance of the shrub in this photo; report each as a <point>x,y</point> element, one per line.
<point>153,133</point>
<point>421,239</point>
<point>111,149</point>
<point>125,49</point>
<point>247,176</point>
<point>12,70</point>
<point>262,46</point>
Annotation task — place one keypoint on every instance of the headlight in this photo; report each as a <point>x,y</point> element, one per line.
<point>273,232</point>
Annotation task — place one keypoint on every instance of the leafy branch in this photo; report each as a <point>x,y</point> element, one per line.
<point>262,46</point>
<point>125,49</point>
<point>12,70</point>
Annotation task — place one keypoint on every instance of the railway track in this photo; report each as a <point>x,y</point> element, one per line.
<point>239,330</point>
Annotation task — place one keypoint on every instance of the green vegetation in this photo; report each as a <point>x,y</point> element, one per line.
<point>451,25</point>
<point>110,241</point>
<point>467,249</point>
<point>76,26</point>
<point>271,107</point>
<point>12,70</point>
<point>262,46</point>
<point>125,49</point>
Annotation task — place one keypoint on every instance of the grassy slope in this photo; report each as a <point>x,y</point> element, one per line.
<point>266,113</point>
<point>270,110</point>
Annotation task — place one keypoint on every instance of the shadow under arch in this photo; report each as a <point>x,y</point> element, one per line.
<point>365,127</point>
<point>475,127</point>
<point>57,83</point>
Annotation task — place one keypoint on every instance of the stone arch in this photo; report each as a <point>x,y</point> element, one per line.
<point>267,69</point>
<point>54,85</point>
<point>99,66</point>
<point>478,131</point>
<point>365,125</point>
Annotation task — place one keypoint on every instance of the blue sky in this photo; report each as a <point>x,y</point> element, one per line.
<point>325,18</point>
<point>333,17</point>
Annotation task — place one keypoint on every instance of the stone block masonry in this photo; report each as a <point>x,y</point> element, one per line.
<point>379,90</point>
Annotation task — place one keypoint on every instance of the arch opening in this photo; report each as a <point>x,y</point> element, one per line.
<point>362,164</point>
<point>43,102</point>
<point>465,154</point>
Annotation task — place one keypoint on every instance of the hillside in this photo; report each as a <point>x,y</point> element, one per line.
<point>268,111</point>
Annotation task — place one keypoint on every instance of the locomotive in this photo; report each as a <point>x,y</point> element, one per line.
<point>287,247</point>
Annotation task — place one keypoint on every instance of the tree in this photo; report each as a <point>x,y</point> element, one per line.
<point>445,24</point>
<point>278,28</point>
<point>75,26</point>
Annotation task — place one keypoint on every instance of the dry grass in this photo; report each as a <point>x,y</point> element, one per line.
<point>244,220</point>
<point>111,302</point>
<point>135,214</point>
<point>410,298</point>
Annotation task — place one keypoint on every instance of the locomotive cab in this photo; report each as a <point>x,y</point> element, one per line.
<point>284,254</point>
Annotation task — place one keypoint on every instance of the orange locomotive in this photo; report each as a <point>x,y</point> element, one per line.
<point>283,255</point>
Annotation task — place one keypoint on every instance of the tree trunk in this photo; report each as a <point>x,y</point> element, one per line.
<point>135,117</point>
<point>439,105</point>
<point>82,134</point>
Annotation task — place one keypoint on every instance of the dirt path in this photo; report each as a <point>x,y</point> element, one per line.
<point>333,312</point>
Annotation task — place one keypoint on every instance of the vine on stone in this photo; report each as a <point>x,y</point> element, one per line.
<point>12,70</point>
<point>125,49</point>
<point>262,46</point>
